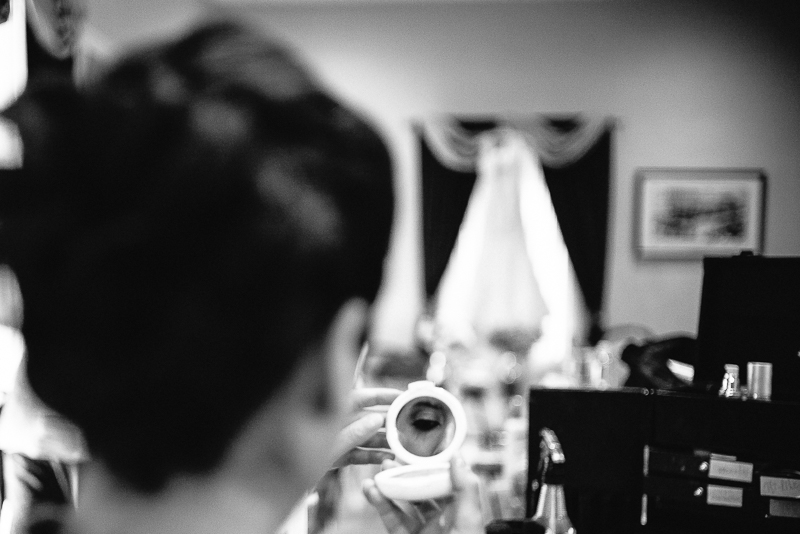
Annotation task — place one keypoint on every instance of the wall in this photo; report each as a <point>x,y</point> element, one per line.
<point>691,83</point>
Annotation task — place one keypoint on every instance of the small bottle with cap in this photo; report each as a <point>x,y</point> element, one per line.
<point>730,382</point>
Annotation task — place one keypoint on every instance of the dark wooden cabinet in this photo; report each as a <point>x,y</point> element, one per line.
<point>604,435</point>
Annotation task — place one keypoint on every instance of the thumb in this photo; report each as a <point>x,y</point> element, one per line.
<point>358,432</point>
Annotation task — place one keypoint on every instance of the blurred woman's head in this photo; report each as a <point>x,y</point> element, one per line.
<point>185,231</point>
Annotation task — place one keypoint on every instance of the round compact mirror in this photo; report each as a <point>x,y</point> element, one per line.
<point>425,426</point>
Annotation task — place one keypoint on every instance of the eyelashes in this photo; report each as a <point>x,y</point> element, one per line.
<point>426,419</point>
<point>423,425</point>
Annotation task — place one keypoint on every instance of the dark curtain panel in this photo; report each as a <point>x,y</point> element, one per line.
<point>5,10</point>
<point>445,194</point>
<point>42,68</point>
<point>579,194</point>
<point>41,64</point>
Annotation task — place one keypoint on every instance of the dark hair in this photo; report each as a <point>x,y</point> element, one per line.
<point>183,229</point>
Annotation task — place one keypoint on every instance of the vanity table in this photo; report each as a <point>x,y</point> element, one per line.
<point>645,461</point>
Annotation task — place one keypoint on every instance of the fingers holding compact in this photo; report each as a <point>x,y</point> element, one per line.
<point>363,441</point>
<point>457,514</point>
<point>465,514</point>
<point>361,398</point>
<point>396,520</point>
<point>461,514</point>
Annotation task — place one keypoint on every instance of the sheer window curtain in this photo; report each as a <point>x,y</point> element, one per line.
<point>495,254</point>
<point>13,64</point>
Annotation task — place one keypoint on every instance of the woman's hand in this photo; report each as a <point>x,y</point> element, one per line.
<point>362,441</point>
<point>459,514</point>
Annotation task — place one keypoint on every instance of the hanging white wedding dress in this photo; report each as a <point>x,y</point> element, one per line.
<point>489,284</point>
<point>510,271</point>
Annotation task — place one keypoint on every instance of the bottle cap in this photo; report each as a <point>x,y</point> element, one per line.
<point>731,368</point>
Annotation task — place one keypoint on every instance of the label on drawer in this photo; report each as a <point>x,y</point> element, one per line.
<point>781,508</point>
<point>780,487</point>
<point>724,496</point>
<point>730,470</point>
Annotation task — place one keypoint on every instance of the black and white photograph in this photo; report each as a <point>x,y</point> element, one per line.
<point>399,266</point>
<point>689,214</point>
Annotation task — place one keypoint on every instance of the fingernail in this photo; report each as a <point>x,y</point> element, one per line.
<point>368,488</point>
<point>375,419</point>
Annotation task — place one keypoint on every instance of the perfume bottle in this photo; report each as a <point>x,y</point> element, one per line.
<point>730,382</point>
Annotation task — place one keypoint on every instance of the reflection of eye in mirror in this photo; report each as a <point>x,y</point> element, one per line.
<point>425,426</point>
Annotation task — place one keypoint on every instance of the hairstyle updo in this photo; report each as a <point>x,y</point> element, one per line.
<point>183,228</point>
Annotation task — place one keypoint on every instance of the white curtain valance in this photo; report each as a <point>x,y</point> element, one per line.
<point>56,24</point>
<point>13,57</point>
<point>457,148</point>
<point>510,270</point>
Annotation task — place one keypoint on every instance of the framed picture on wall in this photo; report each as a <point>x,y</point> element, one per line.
<point>692,213</point>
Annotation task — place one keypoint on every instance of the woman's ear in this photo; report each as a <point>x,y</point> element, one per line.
<point>294,432</point>
<point>343,345</point>
<point>349,325</point>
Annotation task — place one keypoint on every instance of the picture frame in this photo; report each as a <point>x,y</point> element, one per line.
<point>688,214</point>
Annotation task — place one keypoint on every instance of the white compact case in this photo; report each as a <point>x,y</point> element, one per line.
<point>417,418</point>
